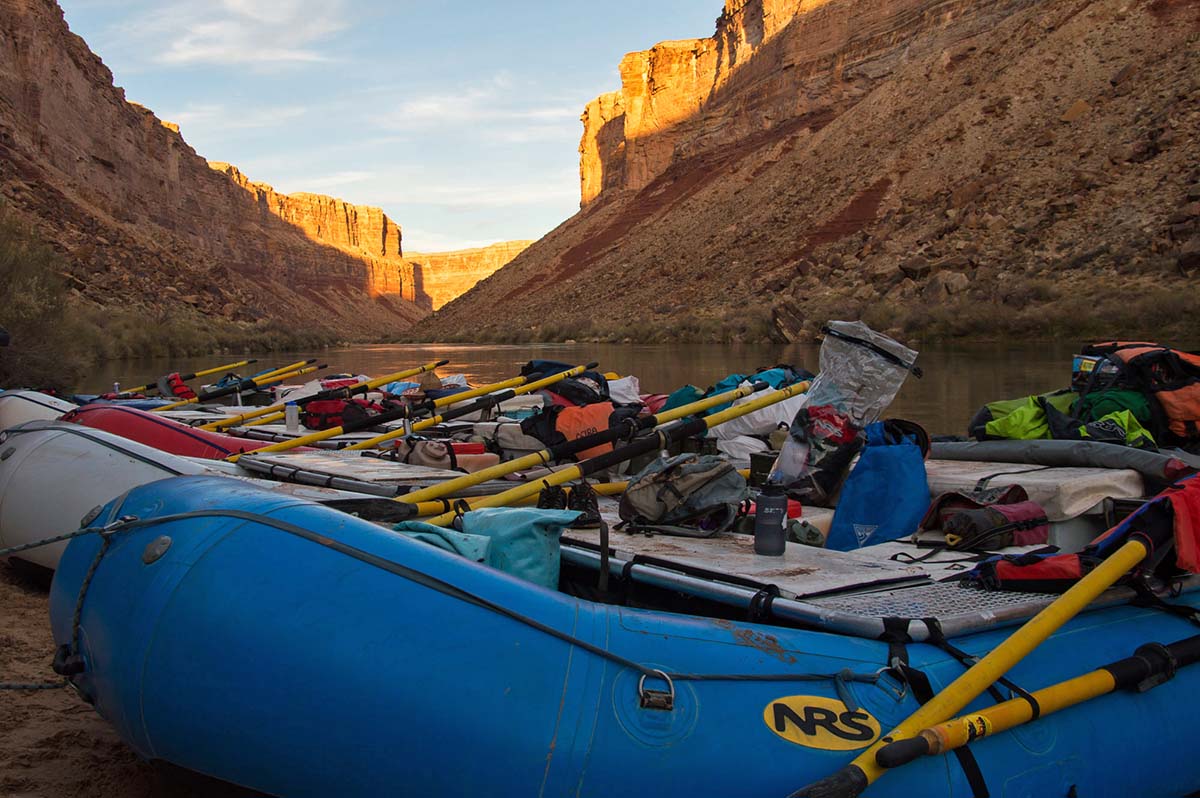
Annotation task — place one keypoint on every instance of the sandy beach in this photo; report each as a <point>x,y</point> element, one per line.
<point>52,744</point>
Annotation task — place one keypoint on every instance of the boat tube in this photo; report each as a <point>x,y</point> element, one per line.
<point>1159,468</point>
<point>161,433</point>
<point>298,651</point>
<point>53,474</point>
<point>17,407</point>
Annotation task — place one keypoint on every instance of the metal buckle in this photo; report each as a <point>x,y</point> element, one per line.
<point>656,699</point>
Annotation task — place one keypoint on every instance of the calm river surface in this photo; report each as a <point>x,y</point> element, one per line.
<point>958,378</point>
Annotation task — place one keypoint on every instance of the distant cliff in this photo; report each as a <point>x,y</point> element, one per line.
<point>144,221</point>
<point>937,167</point>
<point>442,276</point>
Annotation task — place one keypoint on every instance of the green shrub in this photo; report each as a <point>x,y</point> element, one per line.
<point>35,309</point>
<point>57,337</point>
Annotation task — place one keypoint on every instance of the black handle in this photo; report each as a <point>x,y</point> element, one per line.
<point>849,782</point>
<point>901,752</point>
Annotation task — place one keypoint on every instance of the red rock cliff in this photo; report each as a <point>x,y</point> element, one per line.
<point>144,220</point>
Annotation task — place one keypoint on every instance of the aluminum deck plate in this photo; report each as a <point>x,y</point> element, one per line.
<point>353,471</point>
<point>801,571</point>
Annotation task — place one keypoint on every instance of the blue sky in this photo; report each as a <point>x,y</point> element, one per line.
<point>460,119</point>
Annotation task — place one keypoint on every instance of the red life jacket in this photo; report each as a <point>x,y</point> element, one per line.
<point>329,413</point>
<point>1172,516</point>
<point>173,385</point>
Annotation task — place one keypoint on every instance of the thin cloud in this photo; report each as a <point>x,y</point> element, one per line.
<point>214,117</point>
<point>335,180</point>
<point>498,100</point>
<point>282,32</point>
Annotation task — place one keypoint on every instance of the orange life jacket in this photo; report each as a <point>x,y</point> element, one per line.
<point>1169,376</point>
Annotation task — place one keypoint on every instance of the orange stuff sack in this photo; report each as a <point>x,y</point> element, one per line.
<point>576,422</point>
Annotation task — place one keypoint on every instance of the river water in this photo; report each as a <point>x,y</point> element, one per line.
<point>959,378</point>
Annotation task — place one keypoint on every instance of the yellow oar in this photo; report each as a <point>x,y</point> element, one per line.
<point>391,415</point>
<point>444,401</point>
<point>662,439</point>
<point>194,375</point>
<point>864,770</point>
<point>250,383</point>
<point>522,388</point>
<point>552,453</point>
<point>274,411</point>
<point>446,505</point>
<point>1150,664</point>
<point>203,396</point>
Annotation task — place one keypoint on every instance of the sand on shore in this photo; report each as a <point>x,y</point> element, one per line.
<point>52,743</point>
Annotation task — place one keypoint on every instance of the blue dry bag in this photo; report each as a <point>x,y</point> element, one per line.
<point>886,494</point>
<point>522,541</point>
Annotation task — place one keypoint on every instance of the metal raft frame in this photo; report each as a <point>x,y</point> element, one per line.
<point>859,614</point>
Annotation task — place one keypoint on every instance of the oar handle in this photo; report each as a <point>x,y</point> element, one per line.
<point>482,403</point>
<point>849,782</point>
<point>412,411</point>
<point>407,411</point>
<point>901,752</point>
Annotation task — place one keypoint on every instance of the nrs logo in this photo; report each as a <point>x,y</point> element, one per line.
<point>819,722</point>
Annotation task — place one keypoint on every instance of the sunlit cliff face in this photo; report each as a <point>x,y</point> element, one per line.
<point>428,280</point>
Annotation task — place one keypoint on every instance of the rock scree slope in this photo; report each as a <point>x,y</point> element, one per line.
<point>936,167</point>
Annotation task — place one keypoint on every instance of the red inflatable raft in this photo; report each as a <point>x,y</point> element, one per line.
<point>162,433</point>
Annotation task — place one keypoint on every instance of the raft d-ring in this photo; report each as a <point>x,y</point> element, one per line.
<point>656,699</point>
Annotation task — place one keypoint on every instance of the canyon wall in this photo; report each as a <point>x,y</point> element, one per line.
<point>770,62</point>
<point>144,220</point>
<point>440,277</point>
<point>937,167</point>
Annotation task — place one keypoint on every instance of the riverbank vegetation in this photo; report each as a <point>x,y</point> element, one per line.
<point>57,334</point>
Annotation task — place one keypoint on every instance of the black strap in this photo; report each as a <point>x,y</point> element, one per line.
<point>1146,597</point>
<point>908,559</point>
<point>938,638</point>
<point>897,637</point>
<point>602,583</point>
<point>895,634</point>
<point>982,483</point>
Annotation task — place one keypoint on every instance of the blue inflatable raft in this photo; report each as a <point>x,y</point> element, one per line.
<point>299,651</point>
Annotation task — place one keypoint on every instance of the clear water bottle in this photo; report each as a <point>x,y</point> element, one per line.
<point>291,416</point>
<point>770,520</point>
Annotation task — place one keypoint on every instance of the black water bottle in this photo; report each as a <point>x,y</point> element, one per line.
<point>770,519</point>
